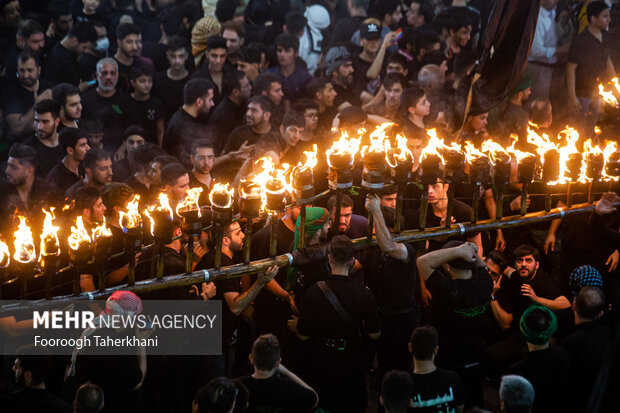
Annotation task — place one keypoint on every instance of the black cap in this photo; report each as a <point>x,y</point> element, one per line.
<point>370,31</point>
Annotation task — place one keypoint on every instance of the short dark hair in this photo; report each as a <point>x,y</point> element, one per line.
<point>295,23</point>
<point>134,130</point>
<point>140,70</point>
<point>498,259</point>
<point>232,81</point>
<point>24,154</point>
<point>397,58</point>
<point>287,41</point>
<point>433,57</point>
<point>424,340</point>
<point>457,22</point>
<point>29,27</point>
<point>176,43</point>
<point>303,104</point>
<point>146,153</point>
<point>58,8</point>
<point>249,54</point>
<point>116,194</point>
<point>263,101</point>
<point>216,42</point>
<point>426,40</point>
<point>589,302</point>
<point>393,78</point>
<point>171,172</point>
<point>341,249</point>
<point>263,82</point>
<point>93,156</point>
<point>36,360</point>
<point>69,137</point>
<point>426,9</point>
<point>217,396</point>
<point>525,249</point>
<point>196,88</point>
<point>171,20</point>
<point>61,91</point>
<point>164,160</point>
<point>266,352</point>
<point>202,143</point>
<point>235,26</point>
<point>48,106</point>
<point>85,198</point>
<point>410,98</point>
<point>125,29</point>
<point>386,7</point>
<point>396,390</point>
<point>595,8</point>
<point>26,55</point>
<point>346,202</point>
<point>84,32</point>
<point>316,85</point>
<point>293,118</point>
<point>89,398</point>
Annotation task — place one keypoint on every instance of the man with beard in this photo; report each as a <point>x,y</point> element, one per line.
<point>45,141</point>
<point>20,97</point>
<point>189,122</point>
<point>98,168</point>
<point>294,78</point>
<point>68,96</point>
<point>270,86</point>
<point>23,191</point>
<point>108,104</point>
<point>74,145</point>
<point>339,67</point>
<point>32,365</point>
<point>129,42</point>
<point>30,37</point>
<point>202,157</point>
<point>515,117</point>
<point>234,34</point>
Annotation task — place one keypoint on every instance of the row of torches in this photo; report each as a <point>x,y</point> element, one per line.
<point>271,187</point>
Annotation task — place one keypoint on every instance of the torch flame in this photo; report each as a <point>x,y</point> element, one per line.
<point>5,255</point>
<point>495,151</point>
<point>400,152</point>
<point>471,153</point>
<point>190,203</point>
<point>79,235</point>
<point>311,159</point>
<point>378,141</point>
<point>436,146</point>
<point>49,235</point>
<point>610,148</point>
<point>101,230</point>
<point>608,95</point>
<point>271,179</point>
<point>225,189</point>
<point>162,205</point>
<point>24,243</point>
<point>131,218</point>
<point>343,146</point>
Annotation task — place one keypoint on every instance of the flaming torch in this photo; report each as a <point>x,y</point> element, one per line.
<point>102,239</point>
<point>249,208</point>
<point>189,209</point>
<point>375,166</point>
<point>431,168</point>
<point>303,188</point>
<point>160,215</point>
<point>479,175</point>
<point>500,159</point>
<point>594,160</point>
<point>608,95</point>
<point>25,255</point>
<point>527,164</point>
<point>221,198</point>
<point>130,222</point>
<point>400,160</point>
<point>50,250</point>
<point>79,250</point>
<point>612,163</point>
<point>5,261</point>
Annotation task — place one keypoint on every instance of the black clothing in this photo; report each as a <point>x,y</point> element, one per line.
<point>121,170</point>
<point>218,95</point>
<point>345,28</point>
<point>278,394</point>
<point>204,195</point>
<point>17,100</point>
<point>436,392</point>
<point>590,56</point>
<point>42,195</point>
<point>361,66</point>
<point>182,131</point>
<point>461,212</point>
<point>586,348</point>
<point>548,371</point>
<point>169,91</point>
<point>349,94</point>
<point>542,285</point>
<point>457,311</point>
<point>27,400</point>
<point>62,66</point>
<point>63,178</point>
<point>326,118</point>
<point>147,113</point>
<point>140,189</point>
<point>47,157</point>
<point>115,113</point>
<point>174,263</point>
<point>514,120</point>
<point>225,117</point>
<point>124,72</point>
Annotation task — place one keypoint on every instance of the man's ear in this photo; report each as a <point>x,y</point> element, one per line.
<point>381,400</point>
<point>251,358</point>
<point>410,346</point>
<point>282,130</point>
<point>178,232</point>
<point>267,115</point>
<point>27,378</point>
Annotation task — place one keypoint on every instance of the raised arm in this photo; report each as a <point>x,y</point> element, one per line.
<point>384,238</point>
<point>428,263</point>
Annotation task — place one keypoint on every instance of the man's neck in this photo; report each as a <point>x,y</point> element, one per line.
<point>537,347</point>
<point>66,44</point>
<point>340,270</point>
<point>227,251</point>
<point>288,69</point>
<point>143,178</point>
<point>416,120</point>
<point>262,128</point>
<point>140,97</point>
<point>177,74</point>
<point>423,366</point>
<point>516,101</point>
<point>235,99</point>
<point>203,178</point>
<point>122,58</point>
<point>70,123</point>
<point>459,3</point>
<point>90,182</point>
<point>262,374</point>
<point>37,387</point>
<point>33,87</point>
<point>71,164</point>
<point>440,208</point>
<point>106,93</point>
<point>453,45</point>
<point>359,12</point>
<point>595,31</point>
<point>369,57</point>
<point>322,107</point>
<point>191,110</point>
<point>51,142</point>
<point>579,320</point>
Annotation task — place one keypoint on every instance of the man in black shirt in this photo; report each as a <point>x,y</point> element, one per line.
<point>108,104</point>
<point>98,168</point>
<point>30,37</point>
<point>188,123</point>
<point>231,109</point>
<point>352,225</point>
<point>149,109</point>
<point>271,380</point>
<point>215,70</point>
<point>202,157</point>
<point>129,42</point>
<point>340,70</point>
<point>62,65</point>
<point>461,288</point>
<point>322,92</point>
<point>20,97</point>
<point>270,86</point>
<point>74,144</point>
<point>392,279</point>
<point>284,147</point>
<point>168,85</point>
<point>68,96</point>
<point>133,138</point>
<point>332,315</point>
<point>45,141</point>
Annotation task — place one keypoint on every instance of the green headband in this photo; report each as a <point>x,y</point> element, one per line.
<point>538,337</point>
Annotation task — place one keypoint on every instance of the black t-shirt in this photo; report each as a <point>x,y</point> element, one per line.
<point>147,113</point>
<point>169,91</point>
<point>457,311</point>
<point>278,394</point>
<point>239,135</point>
<point>542,285</point>
<point>124,72</point>
<point>345,28</point>
<point>392,282</point>
<point>42,195</point>
<point>461,212</point>
<point>225,117</point>
<point>548,371</point>
<point>121,170</point>
<point>349,94</point>
<point>361,66</point>
<point>590,56</point>
<point>47,157</point>
<point>63,178</point>
<point>33,400</point>
<point>437,392</point>
<point>140,189</point>
<point>62,66</point>
<point>174,263</point>
<point>17,100</point>
<point>115,113</point>
<point>183,130</point>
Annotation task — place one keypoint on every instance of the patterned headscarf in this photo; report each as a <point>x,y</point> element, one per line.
<point>203,29</point>
<point>584,276</point>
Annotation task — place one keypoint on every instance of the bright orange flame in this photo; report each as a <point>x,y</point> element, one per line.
<point>131,218</point>
<point>495,151</point>
<point>78,235</point>
<point>570,137</point>
<point>101,230</point>
<point>24,243</point>
<point>517,154</point>
<point>610,148</point>
<point>608,95</point>
<point>311,159</point>
<point>190,203</point>
<point>378,141</point>
<point>223,189</point>
<point>271,179</point>
<point>400,152</point>
<point>5,255</point>
<point>471,153</point>
<point>49,235</point>
<point>543,143</point>
<point>436,146</point>
<point>343,146</point>
<point>163,204</point>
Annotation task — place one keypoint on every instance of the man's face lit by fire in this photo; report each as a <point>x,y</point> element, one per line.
<point>345,218</point>
<point>526,266</point>
<point>17,173</point>
<point>203,160</point>
<point>233,238</point>
<point>437,192</point>
<point>177,191</point>
<point>389,200</point>
<point>101,174</point>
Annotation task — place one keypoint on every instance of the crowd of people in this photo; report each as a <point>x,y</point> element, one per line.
<point>103,100</point>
